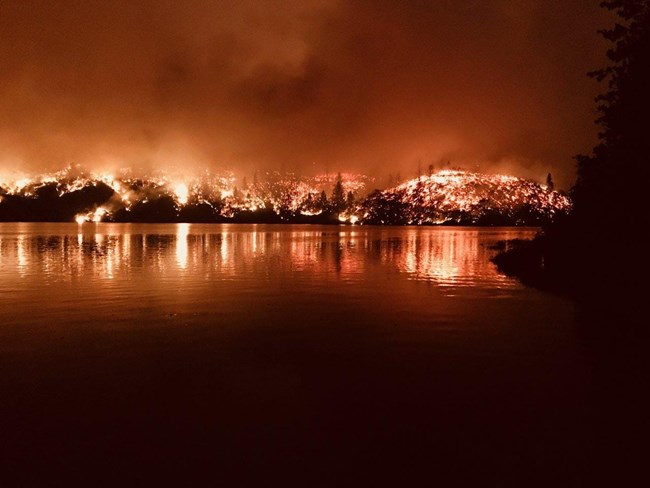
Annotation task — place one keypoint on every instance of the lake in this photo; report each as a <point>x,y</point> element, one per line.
<point>321,356</point>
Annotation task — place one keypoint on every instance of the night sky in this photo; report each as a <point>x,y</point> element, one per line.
<point>306,85</point>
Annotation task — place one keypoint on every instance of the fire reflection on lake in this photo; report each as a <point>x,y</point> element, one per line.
<point>447,257</point>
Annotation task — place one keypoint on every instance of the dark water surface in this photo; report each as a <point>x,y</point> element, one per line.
<point>314,356</point>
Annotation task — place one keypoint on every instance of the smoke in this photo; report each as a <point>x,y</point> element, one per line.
<point>309,85</point>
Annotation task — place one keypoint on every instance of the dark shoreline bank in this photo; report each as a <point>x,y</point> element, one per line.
<point>578,264</point>
<point>600,274</point>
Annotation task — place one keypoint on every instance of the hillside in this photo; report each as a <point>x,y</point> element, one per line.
<point>465,198</point>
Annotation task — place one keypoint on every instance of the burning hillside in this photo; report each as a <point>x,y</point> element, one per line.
<point>465,198</point>
<point>76,194</point>
<point>446,197</point>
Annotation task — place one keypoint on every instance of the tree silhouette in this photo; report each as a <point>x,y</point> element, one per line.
<point>618,165</point>
<point>338,195</point>
<point>322,203</point>
<point>611,184</point>
<point>349,201</point>
<point>549,182</point>
<point>308,204</point>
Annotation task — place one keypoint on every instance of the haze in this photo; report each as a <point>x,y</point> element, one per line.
<point>309,85</point>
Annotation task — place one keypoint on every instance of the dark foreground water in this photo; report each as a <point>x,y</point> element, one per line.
<point>286,355</point>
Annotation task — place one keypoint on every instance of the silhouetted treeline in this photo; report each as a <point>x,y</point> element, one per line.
<point>598,244</point>
<point>613,180</point>
<point>595,255</point>
<point>49,204</point>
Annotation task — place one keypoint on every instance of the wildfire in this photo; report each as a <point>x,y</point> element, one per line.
<point>182,192</point>
<point>95,216</point>
<point>445,197</point>
<point>277,192</point>
<point>466,197</point>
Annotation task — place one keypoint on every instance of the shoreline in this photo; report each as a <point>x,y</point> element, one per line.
<point>281,221</point>
<point>584,266</point>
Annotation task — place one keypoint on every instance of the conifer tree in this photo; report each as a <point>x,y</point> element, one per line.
<point>611,181</point>
<point>338,195</point>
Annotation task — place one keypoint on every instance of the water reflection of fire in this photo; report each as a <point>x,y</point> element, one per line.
<point>182,233</point>
<point>446,257</point>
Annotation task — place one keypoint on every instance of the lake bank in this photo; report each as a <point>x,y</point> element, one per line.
<point>575,264</point>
